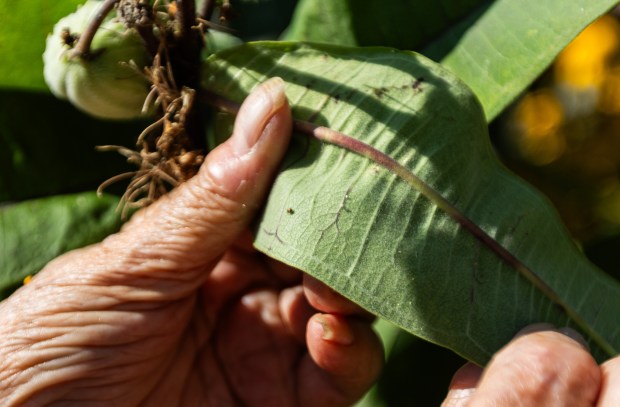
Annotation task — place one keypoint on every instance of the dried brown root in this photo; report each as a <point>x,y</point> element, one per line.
<point>166,154</point>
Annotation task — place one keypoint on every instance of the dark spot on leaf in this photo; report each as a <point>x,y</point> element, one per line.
<point>310,84</point>
<point>379,92</point>
<point>313,116</point>
<point>290,211</point>
<point>416,85</point>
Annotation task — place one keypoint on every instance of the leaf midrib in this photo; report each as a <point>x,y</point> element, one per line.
<point>367,151</point>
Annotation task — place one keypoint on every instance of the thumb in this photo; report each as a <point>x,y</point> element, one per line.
<point>463,386</point>
<point>193,225</point>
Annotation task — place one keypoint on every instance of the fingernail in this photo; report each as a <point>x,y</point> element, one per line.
<point>535,328</point>
<point>255,113</point>
<point>571,333</point>
<point>574,335</point>
<point>334,332</point>
<point>458,397</point>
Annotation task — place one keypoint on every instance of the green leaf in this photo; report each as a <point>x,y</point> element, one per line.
<point>25,25</point>
<point>404,24</point>
<point>48,147</point>
<point>497,47</point>
<point>325,21</point>
<point>264,19</point>
<point>34,232</point>
<point>512,43</point>
<point>433,233</point>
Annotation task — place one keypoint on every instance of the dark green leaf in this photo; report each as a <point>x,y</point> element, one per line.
<point>48,147</point>
<point>497,47</point>
<point>392,230</point>
<point>265,19</point>
<point>404,24</point>
<point>34,232</point>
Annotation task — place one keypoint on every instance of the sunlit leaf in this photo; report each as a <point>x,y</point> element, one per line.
<point>428,230</point>
<point>25,25</point>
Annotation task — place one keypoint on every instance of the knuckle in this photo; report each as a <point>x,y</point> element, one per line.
<point>549,366</point>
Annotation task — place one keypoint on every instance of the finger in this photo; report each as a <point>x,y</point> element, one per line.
<point>256,352</point>
<point>463,385</point>
<point>609,395</point>
<point>325,299</point>
<point>545,368</point>
<point>190,227</point>
<point>295,311</point>
<point>285,273</point>
<point>345,358</point>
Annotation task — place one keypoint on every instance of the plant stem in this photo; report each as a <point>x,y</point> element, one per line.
<point>186,16</point>
<point>185,59</point>
<point>151,42</point>
<point>207,9</point>
<point>82,48</point>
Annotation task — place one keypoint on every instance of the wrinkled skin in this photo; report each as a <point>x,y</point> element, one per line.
<point>177,309</point>
<point>543,367</point>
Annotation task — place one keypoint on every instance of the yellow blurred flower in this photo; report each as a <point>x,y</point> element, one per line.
<point>609,97</point>
<point>585,61</point>
<point>539,116</point>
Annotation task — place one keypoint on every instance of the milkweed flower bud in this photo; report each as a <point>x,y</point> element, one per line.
<point>102,83</point>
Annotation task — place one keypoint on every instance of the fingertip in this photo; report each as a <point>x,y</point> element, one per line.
<point>326,300</point>
<point>463,385</point>
<point>262,104</point>
<point>242,167</point>
<point>542,327</point>
<point>346,357</point>
<point>610,391</point>
<point>458,397</point>
<point>295,311</point>
<point>332,329</point>
<point>466,377</point>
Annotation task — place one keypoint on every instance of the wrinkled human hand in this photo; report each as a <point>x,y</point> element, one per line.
<point>178,309</point>
<point>542,367</point>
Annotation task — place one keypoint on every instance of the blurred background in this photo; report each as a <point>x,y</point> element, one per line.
<point>563,136</point>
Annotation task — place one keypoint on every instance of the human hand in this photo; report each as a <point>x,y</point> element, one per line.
<point>178,309</point>
<point>540,367</point>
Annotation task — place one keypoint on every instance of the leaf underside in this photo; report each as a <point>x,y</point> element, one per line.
<point>385,242</point>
